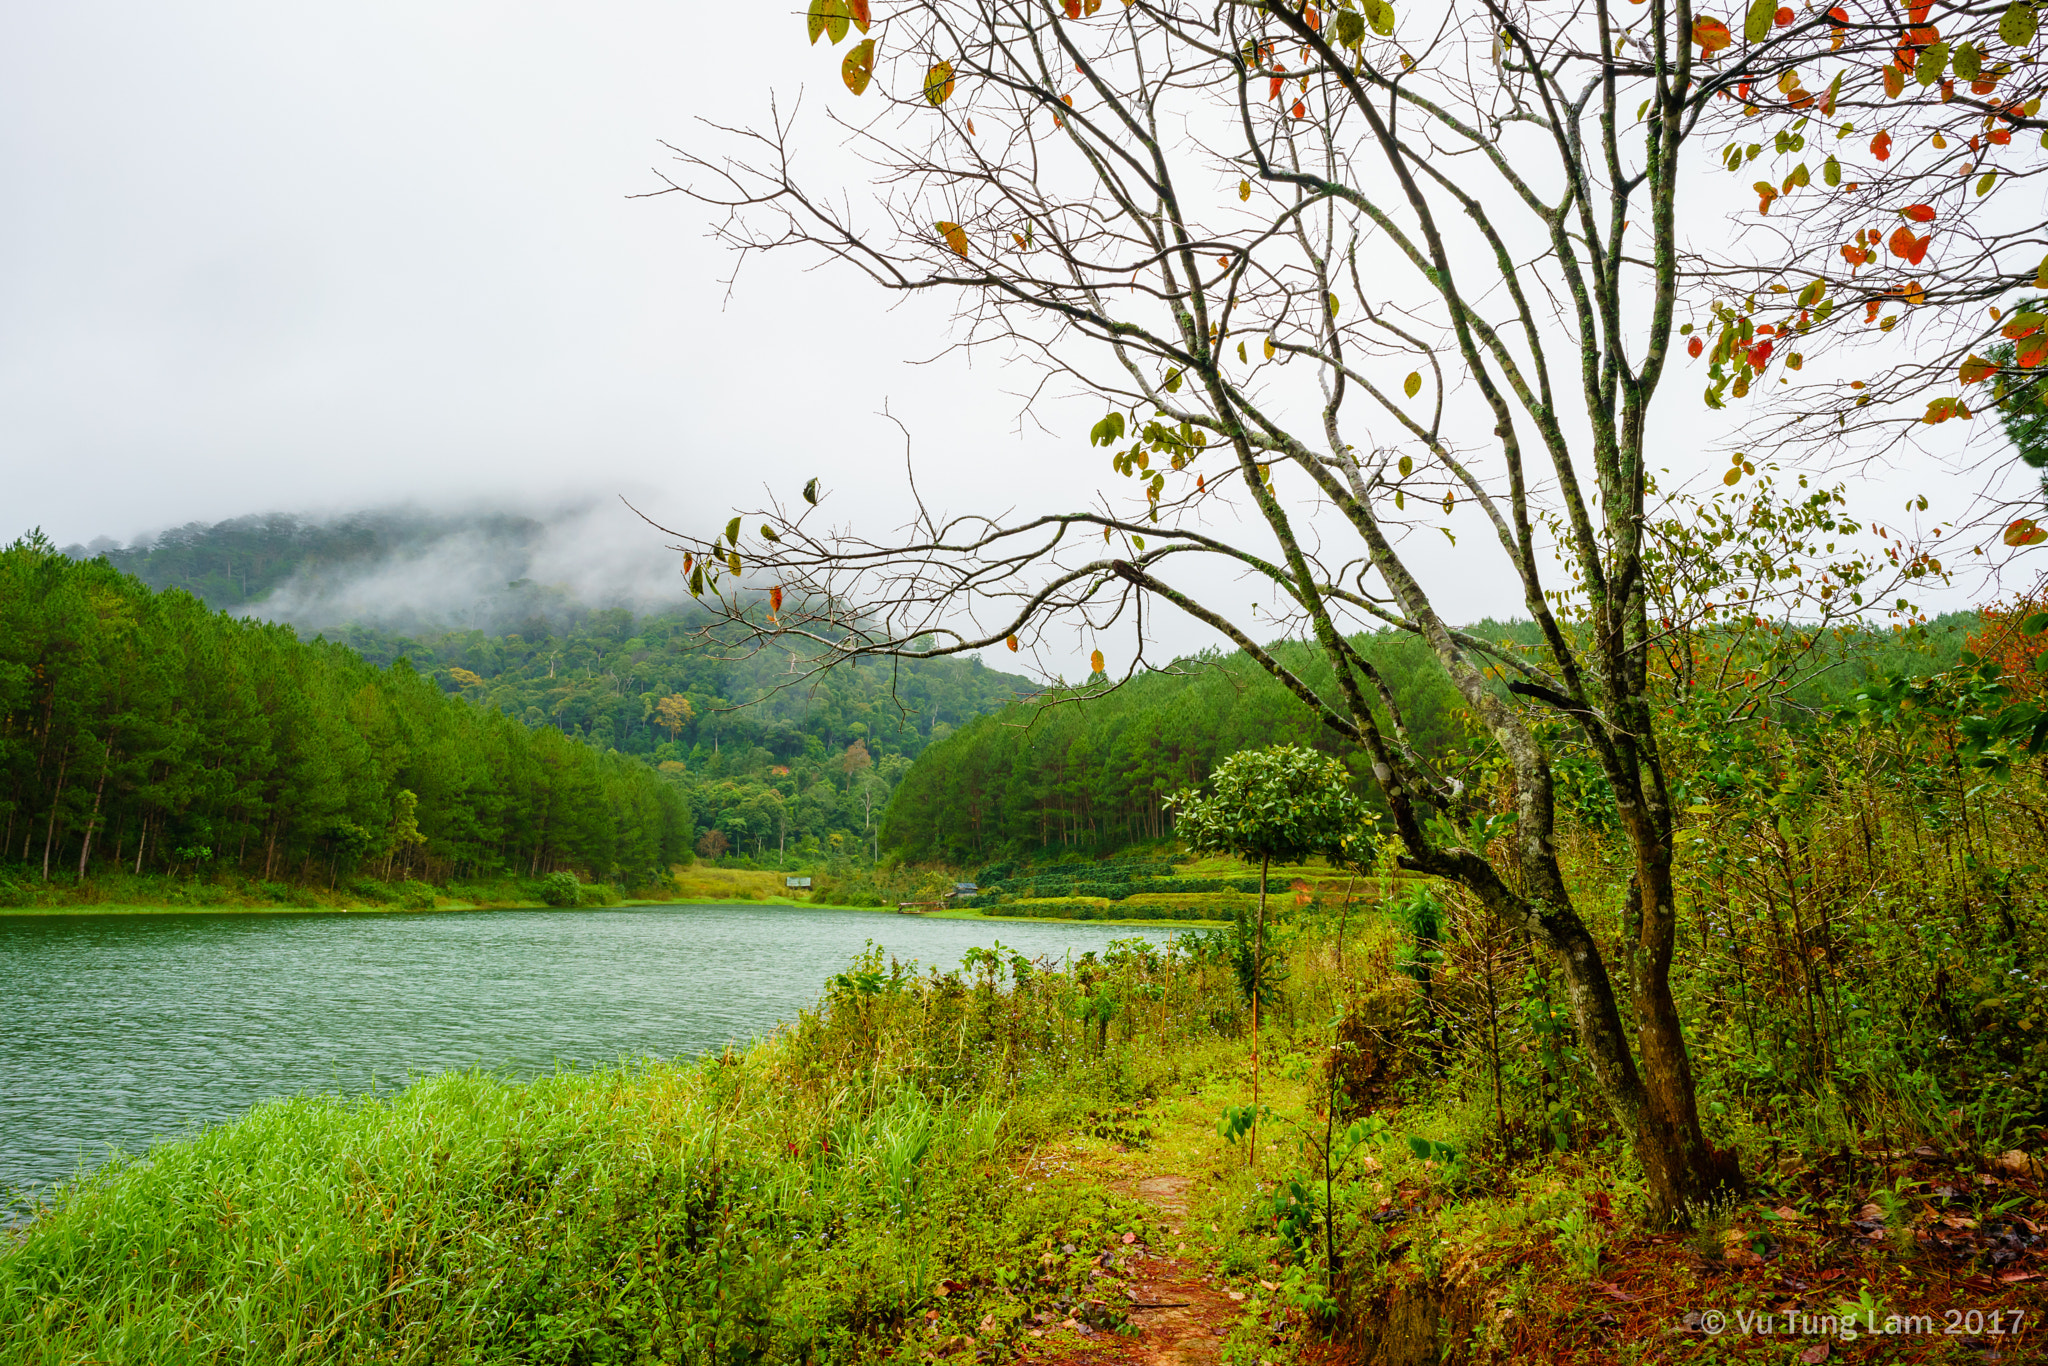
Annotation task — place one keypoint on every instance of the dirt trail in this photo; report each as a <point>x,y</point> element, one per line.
<point>1180,1319</point>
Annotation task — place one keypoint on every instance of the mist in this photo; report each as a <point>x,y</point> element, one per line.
<point>413,570</point>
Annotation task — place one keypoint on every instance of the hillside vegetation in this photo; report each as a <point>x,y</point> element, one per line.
<point>1057,776</point>
<point>140,732</point>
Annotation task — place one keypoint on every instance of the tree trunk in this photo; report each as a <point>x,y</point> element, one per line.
<point>1258,981</point>
<point>98,791</point>
<point>56,805</point>
<point>1681,1167</point>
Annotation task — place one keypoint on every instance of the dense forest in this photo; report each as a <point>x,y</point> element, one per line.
<point>766,769</point>
<point>139,730</point>
<point>1092,777</point>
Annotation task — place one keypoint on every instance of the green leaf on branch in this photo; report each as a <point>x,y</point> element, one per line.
<point>732,531</point>
<point>2016,26</point>
<point>1757,25</point>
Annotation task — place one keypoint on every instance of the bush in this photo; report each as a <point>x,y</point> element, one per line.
<point>561,889</point>
<point>597,894</point>
<point>415,896</point>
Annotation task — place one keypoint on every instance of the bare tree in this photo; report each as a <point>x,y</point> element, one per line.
<point>1342,274</point>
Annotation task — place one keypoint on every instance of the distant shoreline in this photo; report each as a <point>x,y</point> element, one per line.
<point>44,912</point>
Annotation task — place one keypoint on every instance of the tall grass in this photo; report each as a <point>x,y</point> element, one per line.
<point>797,1200</point>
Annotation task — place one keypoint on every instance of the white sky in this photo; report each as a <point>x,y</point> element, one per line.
<point>264,257</point>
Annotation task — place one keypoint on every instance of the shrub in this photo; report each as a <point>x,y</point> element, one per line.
<point>561,889</point>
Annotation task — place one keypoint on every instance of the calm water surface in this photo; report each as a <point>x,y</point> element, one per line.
<point>116,1030</point>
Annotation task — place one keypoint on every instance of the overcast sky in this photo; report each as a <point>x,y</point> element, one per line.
<point>263,257</point>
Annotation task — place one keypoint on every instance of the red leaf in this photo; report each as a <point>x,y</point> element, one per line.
<point>1918,11</point>
<point>1201,484</point>
<point>1072,7</point>
<point>1273,90</point>
<point>1919,213</point>
<point>1760,354</point>
<point>1313,19</point>
<point>775,598</point>
<point>1839,15</point>
<point>2000,136</point>
<point>1783,18</point>
<point>1300,110</point>
<point>1881,146</point>
<point>1694,347</point>
<point>1919,252</point>
<point>1870,311</point>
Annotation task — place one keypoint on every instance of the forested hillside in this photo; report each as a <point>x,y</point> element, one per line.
<point>771,762</point>
<point>1092,776</point>
<point>771,768</point>
<point>141,731</point>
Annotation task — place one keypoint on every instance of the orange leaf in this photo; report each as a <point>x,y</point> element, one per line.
<point>1273,88</point>
<point>862,17</point>
<point>1011,641</point>
<point>1694,347</point>
<point>2032,352</point>
<point>1881,146</point>
<point>1919,213</point>
<point>956,237</point>
<point>775,598</point>
<point>2022,532</point>
<point>1783,18</point>
<point>1870,310</point>
<point>1201,484</point>
<point>1073,8</point>
<point>1300,110</point>
<point>1712,35</point>
<point>1313,20</point>
<point>1095,661</point>
<point>1894,81</point>
<point>1975,370</point>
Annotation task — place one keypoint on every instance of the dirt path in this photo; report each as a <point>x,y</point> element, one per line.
<point>1179,1317</point>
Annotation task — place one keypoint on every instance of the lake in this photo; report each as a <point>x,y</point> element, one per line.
<point>119,1029</point>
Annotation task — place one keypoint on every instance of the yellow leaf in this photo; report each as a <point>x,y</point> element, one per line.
<point>1413,384</point>
<point>1012,643</point>
<point>956,237</point>
<point>859,67</point>
<point>1095,661</point>
<point>938,84</point>
<point>1244,189</point>
<point>1269,340</point>
<point>1976,370</point>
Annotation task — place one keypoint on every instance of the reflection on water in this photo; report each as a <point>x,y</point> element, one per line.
<point>115,1030</point>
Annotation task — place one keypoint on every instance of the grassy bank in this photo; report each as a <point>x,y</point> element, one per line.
<point>945,1166</point>
<point>162,894</point>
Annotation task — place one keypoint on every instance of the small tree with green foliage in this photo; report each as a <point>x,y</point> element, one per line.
<point>1283,804</point>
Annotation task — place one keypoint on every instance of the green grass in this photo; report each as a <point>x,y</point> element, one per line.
<point>798,1200</point>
